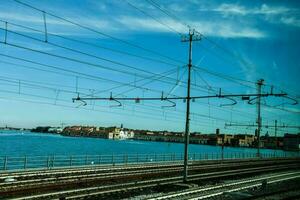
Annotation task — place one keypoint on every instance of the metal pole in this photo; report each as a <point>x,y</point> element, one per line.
<point>25,162</point>
<point>45,26</point>
<point>259,84</point>
<point>187,123</point>
<point>48,162</point>
<point>5,163</point>
<point>71,158</point>
<point>276,140</point>
<point>53,160</point>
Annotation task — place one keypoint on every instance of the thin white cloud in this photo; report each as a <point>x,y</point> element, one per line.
<point>236,9</point>
<point>131,24</point>
<point>291,21</point>
<point>271,14</point>
<point>22,17</point>
<point>218,29</point>
<point>146,24</point>
<point>230,9</point>
<point>228,30</point>
<point>55,26</point>
<point>177,7</point>
<point>269,10</point>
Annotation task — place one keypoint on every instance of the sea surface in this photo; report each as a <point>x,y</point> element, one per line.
<point>18,143</point>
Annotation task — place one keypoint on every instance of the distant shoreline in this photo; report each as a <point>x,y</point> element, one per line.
<point>173,142</point>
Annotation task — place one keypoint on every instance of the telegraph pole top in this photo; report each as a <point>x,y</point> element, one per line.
<point>192,36</point>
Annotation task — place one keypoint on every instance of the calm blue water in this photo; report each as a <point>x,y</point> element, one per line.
<point>13,143</point>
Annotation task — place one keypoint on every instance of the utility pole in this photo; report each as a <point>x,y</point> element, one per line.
<point>258,101</point>
<point>276,140</point>
<point>190,38</point>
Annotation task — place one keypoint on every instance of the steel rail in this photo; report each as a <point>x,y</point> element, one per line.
<point>247,186</point>
<point>210,175</point>
<point>94,191</point>
<point>110,167</point>
<point>222,186</point>
<point>125,171</point>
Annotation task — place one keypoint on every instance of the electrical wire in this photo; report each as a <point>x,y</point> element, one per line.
<point>157,20</point>
<point>89,44</point>
<point>99,32</point>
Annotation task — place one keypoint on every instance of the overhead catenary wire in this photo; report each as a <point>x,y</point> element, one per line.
<point>171,15</point>
<point>99,32</point>
<point>109,90</point>
<point>220,95</point>
<point>78,61</point>
<point>95,110</point>
<point>80,52</point>
<point>85,76</point>
<point>176,84</point>
<point>85,62</point>
<point>80,73</point>
<point>34,83</point>
<point>216,118</point>
<point>75,74</point>
<point>152,17</point>
<point>55,99</point>
<point>233,79</point>
<point>68,38</point>
<point>176,18</point>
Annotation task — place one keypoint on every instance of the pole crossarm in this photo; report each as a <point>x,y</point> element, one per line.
<point>190,38</point>
<point>265,126</point>
<point>78,98</point>
<point>193,36</point>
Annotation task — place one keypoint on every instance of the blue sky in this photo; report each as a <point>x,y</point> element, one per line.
<point>257,39</point>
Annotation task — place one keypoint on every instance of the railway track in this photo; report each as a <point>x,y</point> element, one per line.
<point>214,191</point>
<point>43,180</point>
<point>84,169</point>
<point>114,191</point>
<point>34,174</point>
<point>75,169</point>
<point>136,178</point>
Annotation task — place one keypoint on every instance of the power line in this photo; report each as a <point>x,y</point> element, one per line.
<point>49,98</point>
<point>157,20</point>
<point>56,68</point>
<point>80,52</point>
<point>175,17</point>
<point>95,110</point>
<point>226,77</point>
<point>77,74</point>
<point>79,61</point>
<point>171,15</point>
<point>139,104</point>
<point>80,73</point>
<point>114,62</point>
<point>41,84</point>
<point>263,125</point>
<point>84,62</point>
<point>99,32</point>
<point>89,44</point>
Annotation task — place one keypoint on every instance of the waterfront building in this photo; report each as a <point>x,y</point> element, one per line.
<point>271,142</point>
<point>243,140</point>
<point>291,142</point>
<point>55,130</point>
<point>197,138</point>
